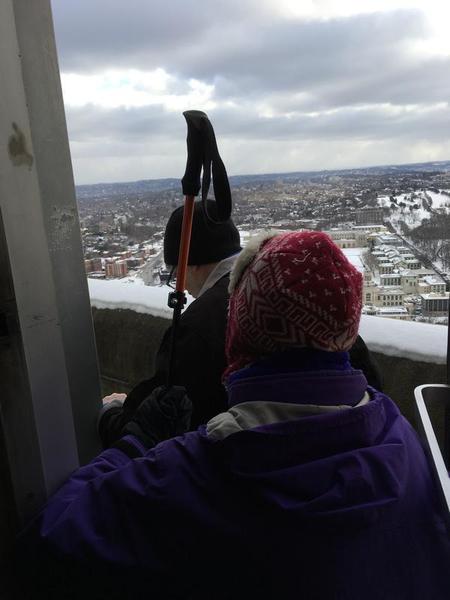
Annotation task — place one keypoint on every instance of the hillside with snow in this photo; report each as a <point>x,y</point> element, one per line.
<point>414,207</point>
<point>422,219</point>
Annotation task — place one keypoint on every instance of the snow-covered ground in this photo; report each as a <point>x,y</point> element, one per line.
<point>413,218</point>
<point>416,341</point>
<point>440,201</point>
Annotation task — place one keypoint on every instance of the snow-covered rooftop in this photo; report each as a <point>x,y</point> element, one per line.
<point>435,296</point>
<point>392,310</point>
<point>416,341</point>
<point>433,280</point>
<point>389,290</point>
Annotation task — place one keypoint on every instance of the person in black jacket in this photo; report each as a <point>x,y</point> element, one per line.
<point>200,344</point>
<point>200,355</point>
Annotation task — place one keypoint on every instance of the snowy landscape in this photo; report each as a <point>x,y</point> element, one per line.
<point>418,206</point>
<point>392,223</point>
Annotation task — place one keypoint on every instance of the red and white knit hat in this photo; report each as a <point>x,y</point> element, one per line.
<point>291,290</point>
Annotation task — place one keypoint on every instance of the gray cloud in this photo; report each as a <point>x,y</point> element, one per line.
<point>321,64</point>
<point>118,144</point>
<point>293,54</point>
<point>138,33</point>
<point>91,123</point>
<point>152,124</point>
<point>219,43</point>
<point>353,83</point>
<point>420,83</point>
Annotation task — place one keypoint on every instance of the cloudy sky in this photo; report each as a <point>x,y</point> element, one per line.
<point>288,84</point>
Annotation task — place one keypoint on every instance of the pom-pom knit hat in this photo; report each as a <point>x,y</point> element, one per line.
<point>291,290</point>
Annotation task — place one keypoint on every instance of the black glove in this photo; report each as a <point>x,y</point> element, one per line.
<point>164,414</point>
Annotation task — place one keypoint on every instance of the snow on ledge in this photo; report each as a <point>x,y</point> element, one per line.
<point>407,339</point>
<point>416,341</point>
<point>132,295</point>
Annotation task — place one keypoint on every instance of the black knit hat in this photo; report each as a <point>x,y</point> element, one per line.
<point>210,242</point>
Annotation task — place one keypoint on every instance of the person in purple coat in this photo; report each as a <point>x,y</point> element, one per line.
<point>311,485</point>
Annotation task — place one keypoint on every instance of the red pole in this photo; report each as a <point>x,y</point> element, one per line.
<point>177,299</point>
<point>183,254</point>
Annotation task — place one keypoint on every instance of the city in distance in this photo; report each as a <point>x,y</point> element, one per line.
<point>393,223</point>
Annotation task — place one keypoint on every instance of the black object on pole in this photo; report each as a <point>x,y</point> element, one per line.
<point>202,154</point>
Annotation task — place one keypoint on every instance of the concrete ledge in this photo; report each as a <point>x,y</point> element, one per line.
<point>127,343</point>
<point>402,375</point>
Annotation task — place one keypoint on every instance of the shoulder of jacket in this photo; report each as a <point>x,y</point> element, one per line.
<point>176,449</point>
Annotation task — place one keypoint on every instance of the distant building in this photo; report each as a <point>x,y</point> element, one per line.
<point>388,240</point>
<point>432,285</point>
<point>391,279</point>
<point>348,238</point>
<point>435,305</point>
<point>93,265</point>
<point>409,283</point>
<point>398,312</point>
<point>370,292</point>
<point>134,263</point>
<point>346,243</point>
<point>367,274</point>
<point>389,297</point>
<point>386,268</point>
<point>413,264</point>
<point>370,228</point>
<point>116,269</point>
<point>381,296</point>
<point>369,216</point>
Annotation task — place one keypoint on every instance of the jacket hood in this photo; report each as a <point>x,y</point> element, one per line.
<point>336,467</point>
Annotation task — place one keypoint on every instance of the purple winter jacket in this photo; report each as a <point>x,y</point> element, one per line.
<point>335,506</point>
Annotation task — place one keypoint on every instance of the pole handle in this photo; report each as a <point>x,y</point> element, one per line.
<point>195,125</point>
<point>203,153</point>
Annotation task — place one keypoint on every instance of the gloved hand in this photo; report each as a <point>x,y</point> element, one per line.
<point>164,414</point>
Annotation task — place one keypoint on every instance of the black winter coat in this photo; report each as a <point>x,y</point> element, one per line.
<point>200,363</point>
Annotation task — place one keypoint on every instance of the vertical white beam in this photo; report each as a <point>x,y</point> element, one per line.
<point>42,84</point>
<point>37,202</point>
